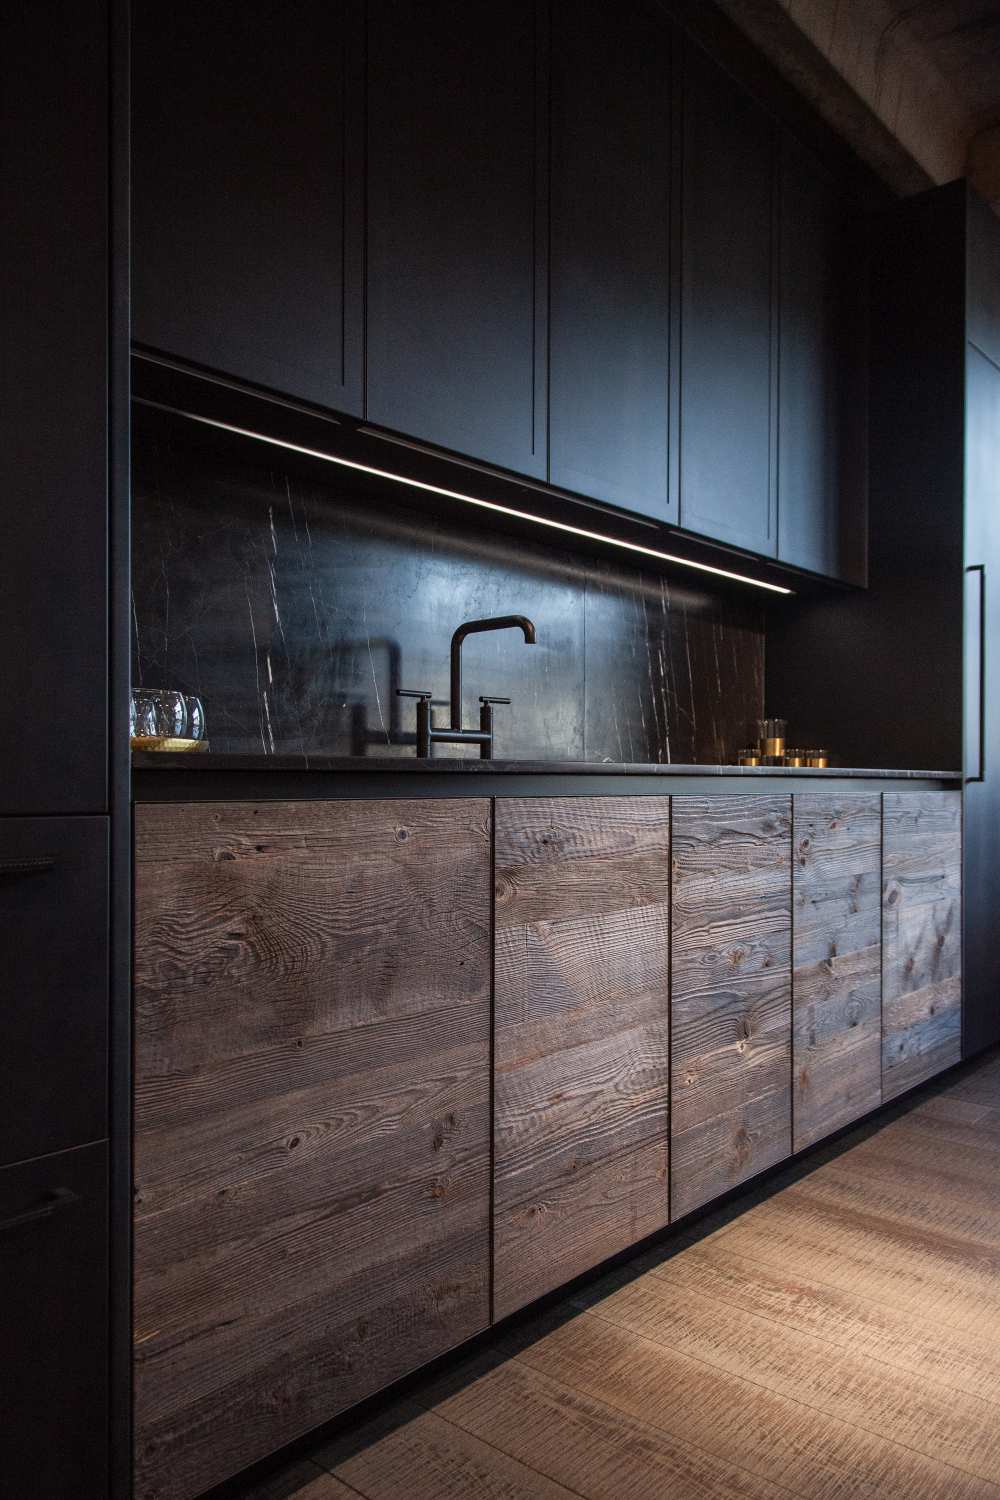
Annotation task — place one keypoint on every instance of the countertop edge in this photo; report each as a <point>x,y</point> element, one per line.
<point>262,765</point>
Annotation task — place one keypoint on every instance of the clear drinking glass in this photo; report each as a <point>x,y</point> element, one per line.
<point>162,713</point>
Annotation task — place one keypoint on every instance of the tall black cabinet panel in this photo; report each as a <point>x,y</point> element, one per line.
<point>610,336</point>
<point>54,407</point>
<point>247,190</point>
<point>54,1019</point>
<point>456,289</point>
<point>811,358</point>
<point>63,420</point>
<point>727,474</point>
<point>53,1369</point>
<point>982,699</point>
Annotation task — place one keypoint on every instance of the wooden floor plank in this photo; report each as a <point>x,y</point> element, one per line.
<point>948,1121</point>
<point>683,1310</point>
<point>300,1481</point>
<point>834,1336</point>
<point>417,1453</point>
<point>867,1325</point>
<point>777,1437</point>
<point>584,1443</point>
<point>913,1270</point>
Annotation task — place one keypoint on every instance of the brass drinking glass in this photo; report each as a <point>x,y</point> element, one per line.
<point>771,740</point>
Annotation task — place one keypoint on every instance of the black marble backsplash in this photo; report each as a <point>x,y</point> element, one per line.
<point>295,610</point>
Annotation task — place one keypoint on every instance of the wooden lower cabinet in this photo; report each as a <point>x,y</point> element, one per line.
<point>684,990</point>
<point>731,993</point>
<point>312,1128</point>
<point>836,962</point>
<point>921,937</point>
<point>582,1035</point>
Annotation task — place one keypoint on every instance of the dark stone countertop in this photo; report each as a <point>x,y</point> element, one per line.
<point>207,761</point>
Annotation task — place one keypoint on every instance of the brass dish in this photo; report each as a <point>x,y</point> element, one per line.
<point>165,742</point>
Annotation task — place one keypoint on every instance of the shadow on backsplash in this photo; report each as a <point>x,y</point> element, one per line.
<point>295,611</point>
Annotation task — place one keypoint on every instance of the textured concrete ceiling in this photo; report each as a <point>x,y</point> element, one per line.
<point>914,85</point>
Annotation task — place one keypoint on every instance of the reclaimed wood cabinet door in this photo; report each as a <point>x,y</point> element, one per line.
<point>611,343</point>
<point>921,937</point>
<point>836,962</point>
<point>457,227</point>
<point>312,1128</point>
<point>582,1036</point>
<point>248,190</point>
<point>731,993</point>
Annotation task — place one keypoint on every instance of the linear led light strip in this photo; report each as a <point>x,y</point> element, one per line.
<point>503,510</point>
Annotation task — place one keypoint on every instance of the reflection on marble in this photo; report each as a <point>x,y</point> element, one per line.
<point>294,612</point>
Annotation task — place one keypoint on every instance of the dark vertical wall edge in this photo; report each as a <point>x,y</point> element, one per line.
<point>119,572</point>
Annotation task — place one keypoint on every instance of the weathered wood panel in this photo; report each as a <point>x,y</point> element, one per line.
<point>731,994</point>
<point>836,962</point>
<point>921,937</point>
<point>312,1115</point>
<point>582,1035</point>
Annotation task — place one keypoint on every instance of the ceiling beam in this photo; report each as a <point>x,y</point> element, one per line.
<point>865,72</point>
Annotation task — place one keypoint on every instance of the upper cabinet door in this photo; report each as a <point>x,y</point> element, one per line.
<point>610,337</point>
<point>456,228</point>
<point>727,488</point>
<point>810,385</point>
<point>54,411</point>
<point>247,188</point>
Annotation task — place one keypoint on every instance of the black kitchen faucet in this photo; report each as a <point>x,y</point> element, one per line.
<point>427,735</point>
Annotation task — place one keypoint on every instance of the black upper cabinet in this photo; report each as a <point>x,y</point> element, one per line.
<point>248,188</point>
<point>54,408</point>
<point>814,319</point>
<point>456,290</point>
<point>554,238</point>
<point>727,467</point>
<point>610,336</point>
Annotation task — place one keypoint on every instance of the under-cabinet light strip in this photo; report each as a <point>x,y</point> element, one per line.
<point>504,510</point>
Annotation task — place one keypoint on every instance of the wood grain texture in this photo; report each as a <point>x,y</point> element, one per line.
<point>836,963</point>
<point>731,996</point>
<point>300,1481</point>
<point>814,1345</point>
<point>582,1035</point>
<point>738,1419</point>
<point>593,1447</point>
<point>696,1311</point>
<point>414,1452</point>
<point>921,937</point>
<point>312,1115</point>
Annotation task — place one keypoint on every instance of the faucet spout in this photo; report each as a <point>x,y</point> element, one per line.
<point>474,627</point>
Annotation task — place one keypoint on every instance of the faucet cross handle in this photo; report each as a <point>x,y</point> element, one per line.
<point>423,717</point>
<point>486,723</point>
